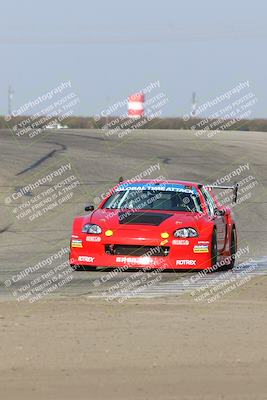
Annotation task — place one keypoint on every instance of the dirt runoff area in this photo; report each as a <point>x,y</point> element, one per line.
<point>164,348</point>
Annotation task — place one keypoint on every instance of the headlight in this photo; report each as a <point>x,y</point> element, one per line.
<point>91,228</point>
<point>185,233</point>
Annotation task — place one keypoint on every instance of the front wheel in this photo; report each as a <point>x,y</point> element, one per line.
<point>233,248</point>
<point>214,250</point>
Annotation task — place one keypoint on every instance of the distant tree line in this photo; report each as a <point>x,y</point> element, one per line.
<point>143,123</point>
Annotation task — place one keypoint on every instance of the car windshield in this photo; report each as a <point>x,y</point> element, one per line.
<point>154,200</point>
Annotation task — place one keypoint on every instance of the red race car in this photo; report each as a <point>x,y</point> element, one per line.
<point>156,224</point>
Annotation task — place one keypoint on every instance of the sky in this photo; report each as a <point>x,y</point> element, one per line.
<point>111,49</point>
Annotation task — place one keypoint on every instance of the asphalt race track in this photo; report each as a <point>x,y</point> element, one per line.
<point>97,160</point>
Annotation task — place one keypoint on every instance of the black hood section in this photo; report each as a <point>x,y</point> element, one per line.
<point>142,218</point>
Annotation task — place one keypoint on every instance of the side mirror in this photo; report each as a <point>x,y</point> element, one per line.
<point>89,208</point>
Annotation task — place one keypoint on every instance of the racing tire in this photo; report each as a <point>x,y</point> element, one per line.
<point>214,249</point>
<point>233,248</point>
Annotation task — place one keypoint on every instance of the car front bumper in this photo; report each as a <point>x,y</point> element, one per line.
<point>180,254</point>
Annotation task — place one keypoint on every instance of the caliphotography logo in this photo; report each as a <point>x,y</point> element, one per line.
<point>133,208</point>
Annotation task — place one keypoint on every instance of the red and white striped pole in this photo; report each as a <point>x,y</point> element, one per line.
<point>136,105</point>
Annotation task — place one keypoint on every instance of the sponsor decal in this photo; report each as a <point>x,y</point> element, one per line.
<point>93,238</point>
<point>76,243</point>
<point>186,262</point>
<point>180,242</point>
<point>170,187</point>
<point>135,260</point>
<point>86,259</point>
<point>201,248</point>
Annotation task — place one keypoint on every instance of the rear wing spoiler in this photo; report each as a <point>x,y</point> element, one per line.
<point>234,188</point>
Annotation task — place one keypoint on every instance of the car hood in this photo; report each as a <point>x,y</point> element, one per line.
<point>128,219</point>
